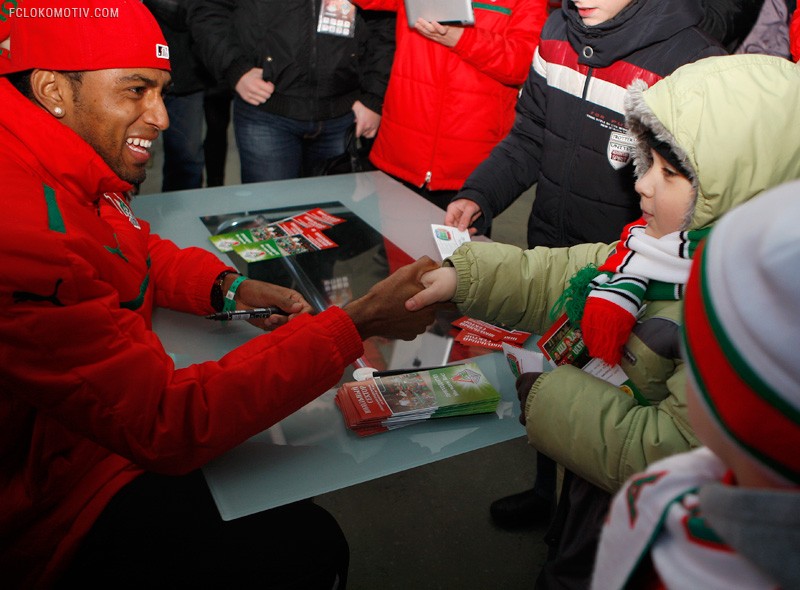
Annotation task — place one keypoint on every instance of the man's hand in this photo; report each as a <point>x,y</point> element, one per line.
<point>381,312</point>
<point>462,213</point>
<point>253,294</point>
<point>440,285</point>
<point>446,35</point>
<point>253,88</point>
<point>524,384</point>
<point>367,121</point>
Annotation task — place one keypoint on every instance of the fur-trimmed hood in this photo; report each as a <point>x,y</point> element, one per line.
<point>733,121</point>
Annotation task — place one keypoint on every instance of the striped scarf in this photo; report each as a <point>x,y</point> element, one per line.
<point>640,268</point>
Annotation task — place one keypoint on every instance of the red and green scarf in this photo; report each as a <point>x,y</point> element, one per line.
<point>606,301</point>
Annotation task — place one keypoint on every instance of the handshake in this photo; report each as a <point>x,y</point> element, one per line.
<point>405,303</point>
<point>401,306</point>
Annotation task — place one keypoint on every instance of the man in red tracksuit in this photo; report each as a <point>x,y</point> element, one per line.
<point>101,438</point>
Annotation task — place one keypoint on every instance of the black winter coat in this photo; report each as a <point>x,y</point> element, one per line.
<point>569,136</point>
<point>188,74</point>
<point>317,76</point>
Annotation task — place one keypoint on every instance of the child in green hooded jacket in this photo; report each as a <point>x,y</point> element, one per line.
<point>710,136</point>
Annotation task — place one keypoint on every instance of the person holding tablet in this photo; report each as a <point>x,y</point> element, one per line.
<point>452,91</point>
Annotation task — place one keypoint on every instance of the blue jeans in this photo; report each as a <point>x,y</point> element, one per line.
<point>183,143</point>
<point>272,147</point>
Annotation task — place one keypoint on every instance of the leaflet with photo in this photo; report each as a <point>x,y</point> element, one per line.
<point>228,241</point>
<point>381,403</point>
<point>284,246</point>
<point>563,345</point>
<point>258,251</point>
<point>310,224</point>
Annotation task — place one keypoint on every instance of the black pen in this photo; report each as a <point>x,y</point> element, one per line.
<point>247,314</point>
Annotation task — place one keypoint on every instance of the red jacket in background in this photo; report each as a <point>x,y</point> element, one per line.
<point>794,35</point>
<point>89,398</point>
<point>446,108</point>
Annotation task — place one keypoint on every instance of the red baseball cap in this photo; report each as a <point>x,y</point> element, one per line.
<point>81,35</point>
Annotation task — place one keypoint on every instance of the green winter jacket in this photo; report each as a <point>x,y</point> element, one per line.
<point>735,121</point>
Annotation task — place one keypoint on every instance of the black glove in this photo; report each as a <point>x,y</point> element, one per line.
<point>524,384</point>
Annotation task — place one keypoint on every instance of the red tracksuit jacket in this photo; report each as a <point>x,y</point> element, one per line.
<point>88,396</point>
<point>446,108</point>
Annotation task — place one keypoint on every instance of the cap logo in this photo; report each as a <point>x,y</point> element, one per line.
<point>162,51</point>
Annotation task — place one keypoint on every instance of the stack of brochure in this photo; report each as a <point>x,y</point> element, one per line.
<point>383,403</point>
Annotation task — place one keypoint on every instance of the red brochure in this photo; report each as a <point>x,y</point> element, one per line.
<point>471,339</point>
<point>490,331</point>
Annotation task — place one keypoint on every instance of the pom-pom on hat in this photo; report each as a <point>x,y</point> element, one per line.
<point>81,35</point>
<point>741,327</point>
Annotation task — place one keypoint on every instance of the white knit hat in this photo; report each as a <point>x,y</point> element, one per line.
<point>742,328</point>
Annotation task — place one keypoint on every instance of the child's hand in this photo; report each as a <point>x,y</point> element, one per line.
<point>440,285</point>
<point>462,213</point>
<point>384,310</point>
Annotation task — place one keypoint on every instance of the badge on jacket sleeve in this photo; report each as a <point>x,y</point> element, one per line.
<point>620,149</point>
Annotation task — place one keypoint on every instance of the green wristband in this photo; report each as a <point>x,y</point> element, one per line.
<point>230,304</point>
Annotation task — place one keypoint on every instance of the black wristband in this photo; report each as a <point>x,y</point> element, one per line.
<point>217,297</point>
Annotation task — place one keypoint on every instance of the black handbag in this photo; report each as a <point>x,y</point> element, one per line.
<point>354,159</point>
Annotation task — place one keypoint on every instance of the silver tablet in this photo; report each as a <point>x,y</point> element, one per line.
<point>450,12</point>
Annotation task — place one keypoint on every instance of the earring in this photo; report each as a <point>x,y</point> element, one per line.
<point>58,111</point>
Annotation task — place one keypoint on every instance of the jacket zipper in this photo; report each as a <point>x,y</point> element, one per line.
<point>568,183</point>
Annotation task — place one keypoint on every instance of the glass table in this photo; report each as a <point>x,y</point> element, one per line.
<point>311,452</point>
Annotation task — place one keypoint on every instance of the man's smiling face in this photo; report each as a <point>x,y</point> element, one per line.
<point>119,112</point>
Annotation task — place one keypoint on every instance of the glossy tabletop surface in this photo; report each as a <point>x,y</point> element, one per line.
<point>311,452</point>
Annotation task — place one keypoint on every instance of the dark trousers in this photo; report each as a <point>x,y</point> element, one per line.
<point>165,532</point>
<point>217,107</point>
<point>272,147</point>
<point>574,535</point>
<point>183,143</point>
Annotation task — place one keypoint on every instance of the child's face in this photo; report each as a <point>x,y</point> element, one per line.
<point>666,196</point>
<point>594,12</point>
